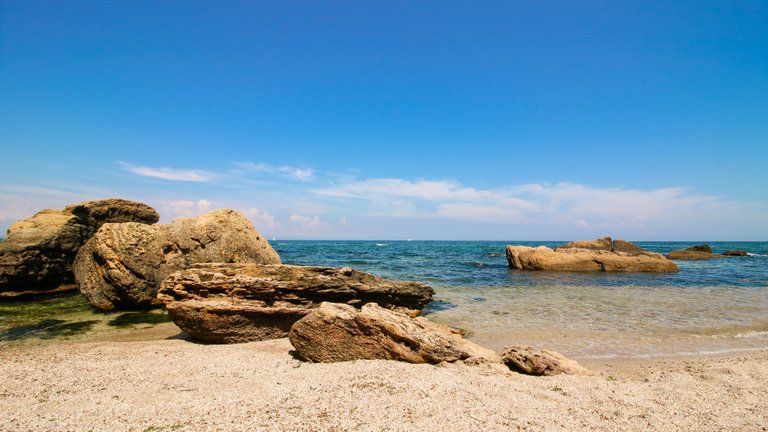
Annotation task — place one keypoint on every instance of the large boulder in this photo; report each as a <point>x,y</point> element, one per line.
<point>337,332</point>
<point>123,264</point>
<point>599,255</point>
<point>37,254</point>
<point>230,303</point>
<point>526,360</point>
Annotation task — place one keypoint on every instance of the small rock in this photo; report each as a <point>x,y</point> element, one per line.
<point>525,359</point>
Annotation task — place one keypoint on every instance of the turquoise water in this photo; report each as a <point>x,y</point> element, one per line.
<point>709,306</point>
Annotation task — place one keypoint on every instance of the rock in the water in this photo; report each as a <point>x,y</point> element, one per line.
<point>606,244</point>
<point>37,255</point>
<point>599,255</point>
<point>694,253</point>
<point>229,303</point>
<point>525,359</point>
<point>700,248</point>
<point>336,332</point>
<point>602,244</point>
<point>691,255</point>
<point>123,264</point>
<point>736,253</point>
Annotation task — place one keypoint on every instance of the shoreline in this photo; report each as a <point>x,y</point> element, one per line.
<point>168,383</point>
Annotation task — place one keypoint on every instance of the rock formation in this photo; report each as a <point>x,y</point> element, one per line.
<point>700,253</point>
<point>123,264</point>
<point>229,303</point>
<point>525,359</point>
<point>336,332</point>
<point>37,254</point>
<point>599,255</point>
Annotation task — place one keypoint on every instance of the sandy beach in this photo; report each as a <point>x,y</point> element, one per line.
<point>169,383</point>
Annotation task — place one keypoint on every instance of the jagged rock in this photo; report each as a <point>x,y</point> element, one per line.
<point>229,303</point>
<point>599,255</point>
<point>122,265</point>
<point>336,332</point>
<point>37,254</point>
<point>525,359</point>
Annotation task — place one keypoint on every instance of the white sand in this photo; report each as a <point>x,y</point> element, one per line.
<point>178,385</point>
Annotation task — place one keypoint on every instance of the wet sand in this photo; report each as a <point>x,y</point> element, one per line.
<point>160,382</point>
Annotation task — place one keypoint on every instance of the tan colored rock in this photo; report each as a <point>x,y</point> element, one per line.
<point>606,244</point>
<point>122,265</point>
<point>525,359</point>
<point>691,255</point>
<point>37,255</point>
<point>229,303</point>
<point>603,244</point>
<point>336,332</point>
<point>577,259</point>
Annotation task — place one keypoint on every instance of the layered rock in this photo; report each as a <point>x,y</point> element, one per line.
<point>336,332</point>
<point>526,360</point>
<point>599,255</point>
<point>229,303</point>
<point>37,254</point>
<point>123,264</point>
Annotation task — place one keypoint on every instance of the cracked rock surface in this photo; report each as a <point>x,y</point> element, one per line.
<point>122,265</point>
<point>37,255</point>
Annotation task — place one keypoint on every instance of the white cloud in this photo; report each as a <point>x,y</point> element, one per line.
<point>188,208</point>
<point>296,173</point>
<point>561,206</point>
<point>260,218</point>
<point>172,174</point>
<point>307,222</point>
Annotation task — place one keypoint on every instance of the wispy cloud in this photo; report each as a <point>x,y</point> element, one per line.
<point>562,206</point>
<point>296,173</point>
<point>172,174</point>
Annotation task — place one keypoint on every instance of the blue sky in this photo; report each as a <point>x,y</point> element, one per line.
<point>515,120</point>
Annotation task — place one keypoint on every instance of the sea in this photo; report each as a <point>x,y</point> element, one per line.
<point>709,307</point>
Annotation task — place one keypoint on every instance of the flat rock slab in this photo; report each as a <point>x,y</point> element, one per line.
<point>229,303</point>
<point>336,332</point>
<point>37,255</point>
<point>122,265</point>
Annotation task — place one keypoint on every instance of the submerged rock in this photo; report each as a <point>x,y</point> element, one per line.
<point>336,332</point>
<point>599,255</point>
<point>736,253</point>
<point>122,265</point>
<point>525,359</point>
<point>229,303</point>
<point>37,254</point>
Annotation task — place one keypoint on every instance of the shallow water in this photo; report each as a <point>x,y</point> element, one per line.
<point>709,306</point>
